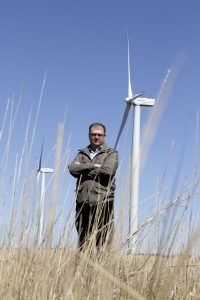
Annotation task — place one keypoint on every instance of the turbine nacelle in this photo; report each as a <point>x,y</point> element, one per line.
<point>131,98</point>
<point>144,101</point>
<point>138,100</point>
<point>46,170</point>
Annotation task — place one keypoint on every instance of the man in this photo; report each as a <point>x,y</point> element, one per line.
<point>95,167</point>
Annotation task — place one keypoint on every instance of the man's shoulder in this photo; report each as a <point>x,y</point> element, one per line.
<point>84,150</point>
<point>108,149</point>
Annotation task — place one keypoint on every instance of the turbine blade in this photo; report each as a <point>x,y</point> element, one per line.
<point>130,92</point>
<point>40,161</point>
<point>124,119</point>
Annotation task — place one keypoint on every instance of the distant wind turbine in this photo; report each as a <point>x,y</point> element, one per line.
<point>43,172</point>
<point>135,100</point>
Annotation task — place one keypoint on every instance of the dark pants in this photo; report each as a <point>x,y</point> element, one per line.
<point>97,219</point>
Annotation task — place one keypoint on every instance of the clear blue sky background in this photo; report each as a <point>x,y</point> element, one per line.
<point>82,47</point>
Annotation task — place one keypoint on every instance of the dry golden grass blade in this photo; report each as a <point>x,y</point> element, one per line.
<point>131,292</point>
<point>161,102</point>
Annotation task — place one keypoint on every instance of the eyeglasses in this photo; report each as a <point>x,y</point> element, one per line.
<point>96,134</point>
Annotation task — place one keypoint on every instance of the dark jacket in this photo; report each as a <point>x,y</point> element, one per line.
<point>95,184</point>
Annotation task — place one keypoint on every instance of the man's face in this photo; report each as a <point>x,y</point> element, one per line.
<point>97,136</point>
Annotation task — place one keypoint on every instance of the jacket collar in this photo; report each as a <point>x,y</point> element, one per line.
<point>104,148</point>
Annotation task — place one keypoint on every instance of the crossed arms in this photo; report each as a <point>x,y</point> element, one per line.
<point>107,168</point>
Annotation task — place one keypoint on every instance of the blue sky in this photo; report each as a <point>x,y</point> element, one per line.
<point>82,47</point>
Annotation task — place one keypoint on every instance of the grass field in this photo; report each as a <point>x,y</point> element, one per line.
<point>53,269</point>
<point>30,270</point>
<point>64,274</point>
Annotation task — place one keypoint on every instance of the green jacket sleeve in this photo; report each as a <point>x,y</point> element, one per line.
<point>78,168</point>
<point>108,167</point>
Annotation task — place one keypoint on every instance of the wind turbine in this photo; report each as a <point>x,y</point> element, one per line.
<point>43,172</point>
<point>135,100</point>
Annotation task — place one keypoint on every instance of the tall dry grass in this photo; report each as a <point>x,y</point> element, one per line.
<point>169,267</point>
<point>56,270</point>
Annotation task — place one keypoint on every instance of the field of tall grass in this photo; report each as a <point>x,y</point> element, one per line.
<point>53,268</point>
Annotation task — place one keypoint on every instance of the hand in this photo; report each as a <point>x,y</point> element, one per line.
<point>97,165</point>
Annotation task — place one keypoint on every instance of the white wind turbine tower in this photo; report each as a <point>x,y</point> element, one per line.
<point>136,101</point>
<point>43,172</point>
